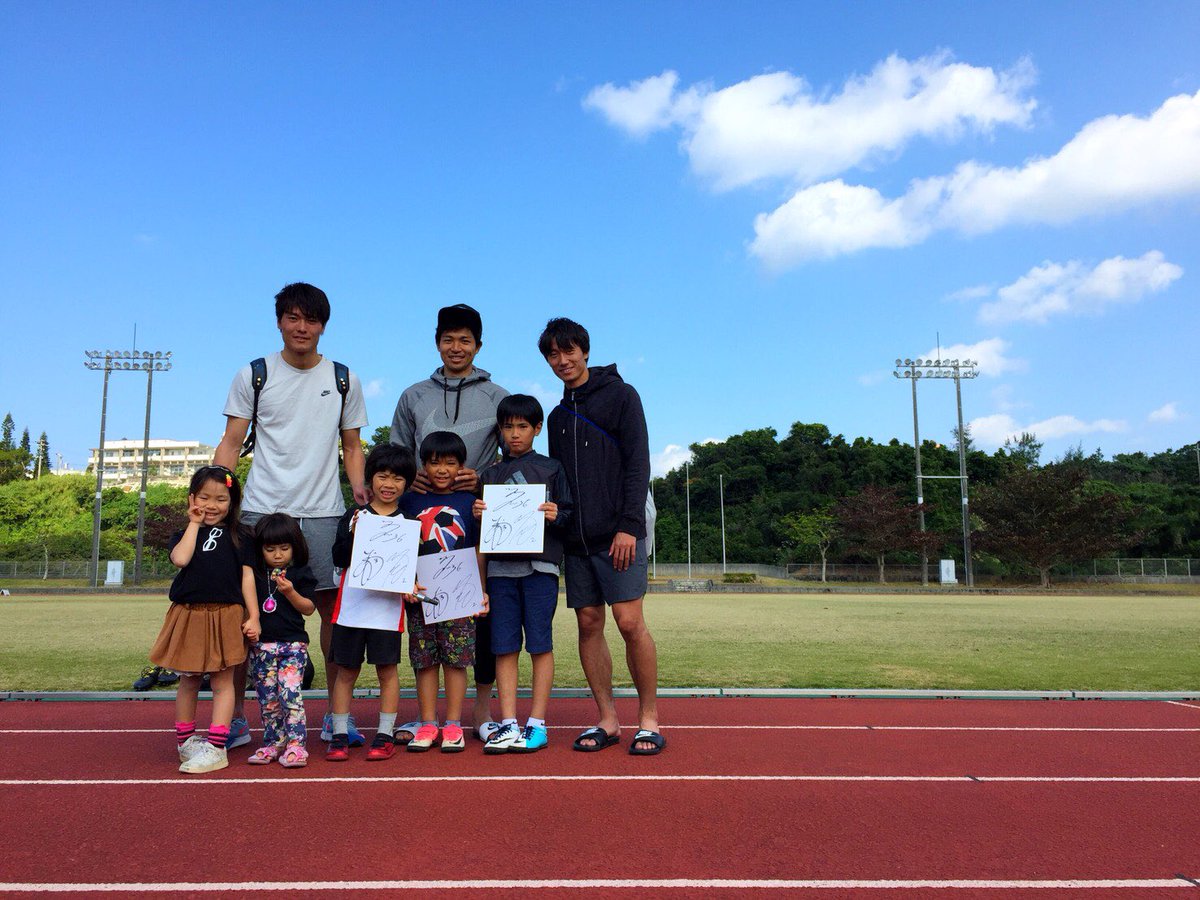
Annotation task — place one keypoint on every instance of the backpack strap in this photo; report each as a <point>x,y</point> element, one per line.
<point>258,378</point>
<point>572,412</point>
<point>341,377</point>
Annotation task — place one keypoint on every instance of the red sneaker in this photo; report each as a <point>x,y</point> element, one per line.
<point>338,749</point>
<point>383,747</point>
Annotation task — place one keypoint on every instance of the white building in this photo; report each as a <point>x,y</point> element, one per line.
<point>170,461</point>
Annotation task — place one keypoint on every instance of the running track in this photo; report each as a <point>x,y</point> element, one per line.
<point>766,797</point>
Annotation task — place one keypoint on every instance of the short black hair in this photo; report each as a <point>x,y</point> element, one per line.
<point>459,316</point>
<point>519,406</point>
<point>305,299</point>
<point>280,528</point>
<point>443,443</point>
<point>392,458</point>
<point>565,334</point>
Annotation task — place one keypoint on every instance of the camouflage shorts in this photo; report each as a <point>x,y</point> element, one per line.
<point>442,643</point>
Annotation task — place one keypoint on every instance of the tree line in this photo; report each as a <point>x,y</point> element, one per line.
<point>814,495</point>
<point>807,496</point>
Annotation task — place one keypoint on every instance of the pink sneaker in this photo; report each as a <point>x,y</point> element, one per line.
<point>425,738</point>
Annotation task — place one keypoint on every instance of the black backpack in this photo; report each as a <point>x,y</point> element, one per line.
<point>258,378</point>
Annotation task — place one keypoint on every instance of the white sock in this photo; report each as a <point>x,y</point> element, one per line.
<point>531,722</point>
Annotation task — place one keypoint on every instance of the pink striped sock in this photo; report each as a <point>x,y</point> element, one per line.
<point>218,736</point>
<point>183,731</point>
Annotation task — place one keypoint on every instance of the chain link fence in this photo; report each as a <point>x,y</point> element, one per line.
<point>77,569</point>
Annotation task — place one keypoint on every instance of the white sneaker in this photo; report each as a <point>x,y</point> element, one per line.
<point>503,740</point>
<point>189,748</point>
<point>206,759</point>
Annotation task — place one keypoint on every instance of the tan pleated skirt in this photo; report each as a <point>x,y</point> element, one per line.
<point>201,637</point>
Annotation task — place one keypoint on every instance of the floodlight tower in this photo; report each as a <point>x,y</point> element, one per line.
<point>958,370</point>
<point>107,361</point>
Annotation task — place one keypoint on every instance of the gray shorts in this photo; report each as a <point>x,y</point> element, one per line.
<point>319,534</point>
<point>592,580</point>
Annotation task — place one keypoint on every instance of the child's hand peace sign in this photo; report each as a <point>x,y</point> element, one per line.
<point>195,513</point>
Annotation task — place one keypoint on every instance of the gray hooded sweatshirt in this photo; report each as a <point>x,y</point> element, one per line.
<point>466,406</point>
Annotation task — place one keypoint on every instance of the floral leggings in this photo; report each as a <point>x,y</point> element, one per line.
<point>278,670</point>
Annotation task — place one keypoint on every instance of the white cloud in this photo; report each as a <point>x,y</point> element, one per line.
<point>1002,398</point>
<point>549,397</point>
<point>670,457</point>
<point>1168,412</point>
<point>776,126</point>
<point>991,354</point>
<point>1113,164</point>
<point>373,388</point>
<point>994,430</point>
<point>976,292</point>
<point>1072,288</point>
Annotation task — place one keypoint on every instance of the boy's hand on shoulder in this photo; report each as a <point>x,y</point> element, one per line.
<point>466,480</point>
<point>551,511</point>
<point>477,509</point>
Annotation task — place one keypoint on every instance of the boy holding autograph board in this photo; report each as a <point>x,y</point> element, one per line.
<point>523,586</point>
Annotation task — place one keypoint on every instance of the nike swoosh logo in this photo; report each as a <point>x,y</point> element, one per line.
<point>461,428</point>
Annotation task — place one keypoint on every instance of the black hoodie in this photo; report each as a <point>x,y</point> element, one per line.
<point>598,433</point>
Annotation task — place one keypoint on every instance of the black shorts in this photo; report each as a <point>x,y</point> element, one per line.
<point>348,645</point>
<point>592,580</point>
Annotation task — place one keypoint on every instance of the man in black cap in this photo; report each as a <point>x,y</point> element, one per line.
<point>461,398</point>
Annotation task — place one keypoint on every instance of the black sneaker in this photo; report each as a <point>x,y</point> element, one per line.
<point>147,680</point>
<point>166,678</point>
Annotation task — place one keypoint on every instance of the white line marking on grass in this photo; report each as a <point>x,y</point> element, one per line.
<point>612,883</point>
<point>451,779</point>
<point>968,728</point>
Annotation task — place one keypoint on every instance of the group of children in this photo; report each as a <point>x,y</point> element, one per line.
<point>244,592</point>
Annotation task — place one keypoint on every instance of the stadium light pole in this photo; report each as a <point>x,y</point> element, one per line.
<point>108,361</point>
<point>151,362</point>
<point>687,484</point>
<point>721,482</point>
<point>958,370</point>
<point>914,374</point>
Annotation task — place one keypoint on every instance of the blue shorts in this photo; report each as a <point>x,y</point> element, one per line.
<point>526,603</point>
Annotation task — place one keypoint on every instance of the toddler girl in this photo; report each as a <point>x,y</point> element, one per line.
<point>283,586</point>
<point>212,612</point>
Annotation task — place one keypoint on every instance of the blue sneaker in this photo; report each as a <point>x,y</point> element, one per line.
<point>239,733</point>
<point>533,738</point>
<point>327,728</point>
<point>356,739</point>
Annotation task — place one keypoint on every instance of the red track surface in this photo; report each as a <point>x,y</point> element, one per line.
<point>547,816</point>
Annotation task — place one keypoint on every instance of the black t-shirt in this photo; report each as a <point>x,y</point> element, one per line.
<point>446,520</point>
<point>283,623</point>
<point>215,573</point>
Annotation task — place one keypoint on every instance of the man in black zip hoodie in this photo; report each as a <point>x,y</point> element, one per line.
<point>598,433</point>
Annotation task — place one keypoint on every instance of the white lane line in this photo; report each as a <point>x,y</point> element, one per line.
<point>1181,703</point>
<point>450,779</point>
<point>968,728</point>
<point>611,883</point>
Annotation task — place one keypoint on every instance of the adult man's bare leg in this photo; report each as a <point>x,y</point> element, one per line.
<point>324,602</point>
<point>641,654</point>
<point>597,666</point>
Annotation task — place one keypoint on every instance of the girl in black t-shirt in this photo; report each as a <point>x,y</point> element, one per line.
<point>213,611</point>
<point>284,587</point>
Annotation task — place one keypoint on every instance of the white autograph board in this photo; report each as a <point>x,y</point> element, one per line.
<point>512,522</point>
<point>451,582</point>
<point>382,566</point>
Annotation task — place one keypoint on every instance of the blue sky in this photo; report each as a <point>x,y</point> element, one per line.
<point>754,208</point>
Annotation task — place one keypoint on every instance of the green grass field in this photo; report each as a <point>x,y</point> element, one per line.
<point>1045,642</point>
